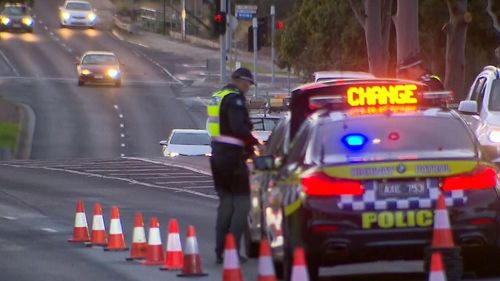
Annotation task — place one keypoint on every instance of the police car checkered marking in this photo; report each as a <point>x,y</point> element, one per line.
<point>368,201</point>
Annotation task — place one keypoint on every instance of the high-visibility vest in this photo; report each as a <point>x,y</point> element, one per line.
<point>213,110</point>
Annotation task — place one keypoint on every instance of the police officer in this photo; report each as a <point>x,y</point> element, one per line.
<point>232,144</point>
<point>411,68</point>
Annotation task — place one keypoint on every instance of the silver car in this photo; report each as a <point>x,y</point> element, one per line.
<point>77,13</point>
<point>481,109</point>
<point>185,142</point>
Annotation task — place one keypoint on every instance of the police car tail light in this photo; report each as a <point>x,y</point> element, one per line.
<point>319,184</point>
<point>483,177</point>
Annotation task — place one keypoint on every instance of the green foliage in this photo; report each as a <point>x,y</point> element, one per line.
<point>321,35</point>
<point>324,34</point>
<point>8,135</point>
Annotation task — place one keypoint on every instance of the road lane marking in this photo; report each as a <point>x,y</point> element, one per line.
<point>122,155</point>
<point>121,116</point>
<point>116,106</point>
<point>122,135</point>
<point>50,230</point>
<point>182,182</point>
<point>46,27</point>
<point>170,165</point>
<point>131,181</point>
<point>199,187</point>
<point>9,63</point>
<point>122,145</point>
<point>122,125</point>
<point>9,218</point>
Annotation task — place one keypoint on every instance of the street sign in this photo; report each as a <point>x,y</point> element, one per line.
<point>246,12</point>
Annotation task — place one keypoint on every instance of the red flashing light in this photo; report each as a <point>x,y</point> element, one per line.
<point>280,25</point>
<point>319,184</point>
<point>324,228</point>
<point>482,221</point>
<point>218,18</point>
<point>393,136</point>
<point>483,177</point>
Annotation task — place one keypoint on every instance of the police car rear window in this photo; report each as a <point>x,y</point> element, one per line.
<point>393,138</point>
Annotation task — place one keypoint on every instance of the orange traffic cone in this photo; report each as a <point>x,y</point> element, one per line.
<point>174,257</point>
<point>139,244</point>
<point>232,271</point>
<point>154,251</point>
<point>437,269</point>
<point>81,229</point>
<point>266,267</point>
<point>98,235</point>
<point>116,241</point>
<point>299,270</point>
<point>442,236</point>
<point>192,260</point>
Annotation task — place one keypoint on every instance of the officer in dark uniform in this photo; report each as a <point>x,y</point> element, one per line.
<point>230,127</point>
<point>411,68</point>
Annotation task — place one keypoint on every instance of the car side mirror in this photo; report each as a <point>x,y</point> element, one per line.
<point>468,107</point>
<point>164,143</point>
<point>265,163</point>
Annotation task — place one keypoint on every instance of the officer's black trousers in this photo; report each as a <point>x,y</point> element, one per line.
<point>232,185</point>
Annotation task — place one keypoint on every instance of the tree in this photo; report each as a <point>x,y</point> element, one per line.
<point>375,18</point>
<point>456,33</point>
<point>406,24</point>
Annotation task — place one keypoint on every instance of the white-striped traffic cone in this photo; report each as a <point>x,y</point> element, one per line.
<point>299,269</point>
<point>442,236</point>
<point>139,243</point>
<point>173,258</point>
<point>232,270</point>
<point>154,252</point>
<point>98,235</point>
<point>116,240</point>
<point>192,259</point>
<point>437,269</point>
<point>266,266</point>
<point>81,229</point>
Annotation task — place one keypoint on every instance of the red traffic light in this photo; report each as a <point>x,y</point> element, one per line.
<point>218,18</point>
<point>279,25</point>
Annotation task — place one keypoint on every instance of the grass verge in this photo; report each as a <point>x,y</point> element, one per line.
<point>8,135</point>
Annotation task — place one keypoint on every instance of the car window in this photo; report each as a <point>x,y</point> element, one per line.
<point>99,60</point>
<point>16,11</point>
<point>476,88</point>
<point>264,124</point>
<point>482,92</point>
<point>190,139</point>
<point>298,146</point>
<point>78,6</point>
<point>276,139</point>
<point>494,102</point>
<point>393,138</point>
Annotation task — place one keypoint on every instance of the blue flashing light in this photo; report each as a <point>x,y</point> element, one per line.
<point>354,141</point>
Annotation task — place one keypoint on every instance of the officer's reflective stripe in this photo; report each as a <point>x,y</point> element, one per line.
<point>213,110</point>
<point>291,208</point>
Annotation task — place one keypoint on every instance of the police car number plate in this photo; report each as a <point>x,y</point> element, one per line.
<point>402,189</point>
<point>99,77</point>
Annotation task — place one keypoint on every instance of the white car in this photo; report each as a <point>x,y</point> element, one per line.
<point>186,142</point>
<point>78,13</point>
<point>263,125</point>
<point>481,110</point>
<point>331,75</point>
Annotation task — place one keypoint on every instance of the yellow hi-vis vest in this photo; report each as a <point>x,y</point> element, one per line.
<point>213,109</point>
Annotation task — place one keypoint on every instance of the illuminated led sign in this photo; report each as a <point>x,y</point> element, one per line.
<point>382,95</point>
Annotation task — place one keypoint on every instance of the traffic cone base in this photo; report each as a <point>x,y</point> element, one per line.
<point>80,229</point>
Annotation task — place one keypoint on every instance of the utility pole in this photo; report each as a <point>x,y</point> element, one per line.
<point>255,26</point>
<point>273,34</point>
<point>164,29</point>
<point>171,17</point>
<point>183,15</point>
<point>222,42</point>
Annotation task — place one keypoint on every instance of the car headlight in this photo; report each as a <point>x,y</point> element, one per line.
<point>494,136</point>
<point>173,154</point>
<point>208,154</point>
<point>65,15</point>
<point>86,72</point>
<point>28,21</point>
<point>113,73</point>
<point>5,21</point>
<point>91,17</point>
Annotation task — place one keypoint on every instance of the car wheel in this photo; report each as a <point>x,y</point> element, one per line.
<point>118,83</point>
<point>251,247</point>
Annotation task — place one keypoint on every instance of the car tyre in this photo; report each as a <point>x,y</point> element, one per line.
<point>251,247</point>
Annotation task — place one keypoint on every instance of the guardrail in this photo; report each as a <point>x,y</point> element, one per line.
<point>124,25</point>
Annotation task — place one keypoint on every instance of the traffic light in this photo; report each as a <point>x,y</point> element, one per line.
<point>261,34</point>
<point>279,25</point>
<point>220,23</point>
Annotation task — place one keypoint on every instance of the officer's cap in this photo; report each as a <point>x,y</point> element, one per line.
<point>244,74</point>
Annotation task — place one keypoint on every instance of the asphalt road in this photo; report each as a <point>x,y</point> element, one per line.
<point>80,135</point>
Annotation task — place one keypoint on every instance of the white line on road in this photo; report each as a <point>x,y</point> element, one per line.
<point>122,125</point>
<point>164,175</point>
<point>170,165</point>
<point>178,182</point>
<point>46,27</point>
<point>9,218</point>
<point>122,135</point>
<point>46,229</point>
<point>116,106</point>
<point>122,155</point>
<point>9,63</point>
<point>198,187</point>
<point>121,115</point>
<point>122,145</point>
<point>51,33</point>
<point>131,181</point>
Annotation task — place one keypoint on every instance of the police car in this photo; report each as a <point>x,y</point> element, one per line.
<point>363,173</point>
<point>16,17</point>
